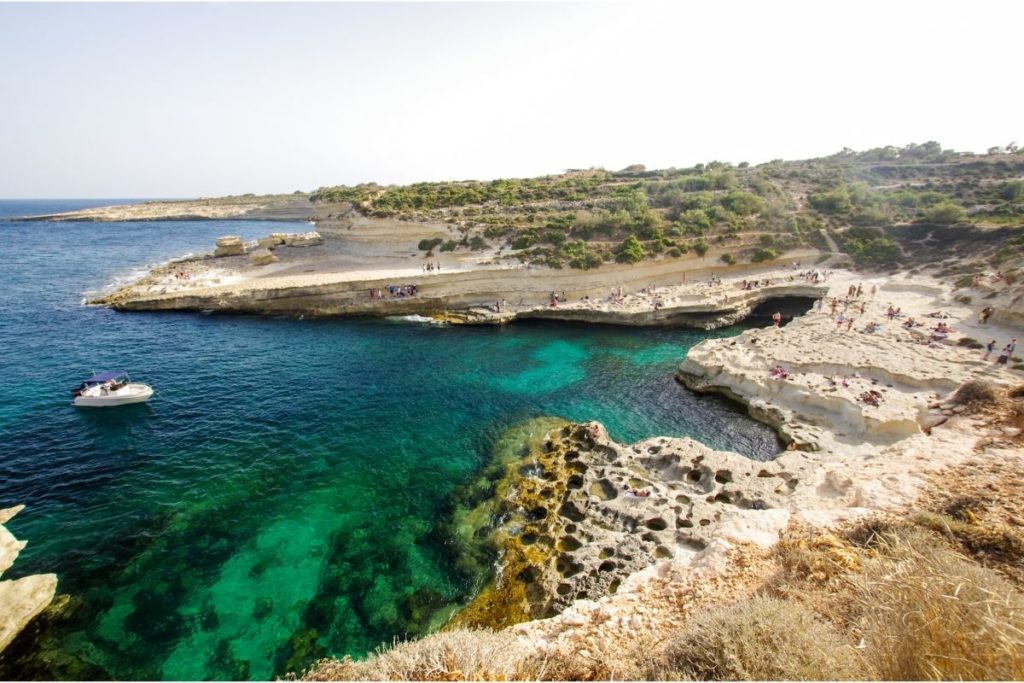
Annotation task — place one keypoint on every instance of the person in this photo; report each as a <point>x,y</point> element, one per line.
<point>986,313</point>
<point>1004,355</point>
<point>777,318</point>
<point>989,348</point>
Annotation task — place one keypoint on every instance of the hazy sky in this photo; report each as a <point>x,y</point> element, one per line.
<point>175,100</point>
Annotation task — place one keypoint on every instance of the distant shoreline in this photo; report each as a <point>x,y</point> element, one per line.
<point>271,208</point>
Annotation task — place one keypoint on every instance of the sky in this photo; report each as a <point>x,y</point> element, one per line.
<point>208,99</point>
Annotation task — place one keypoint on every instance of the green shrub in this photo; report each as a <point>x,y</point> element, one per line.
<point>449,246</point>
<point>945,213</point>
<point>631,251</point>
<point>835,201</point>
<point>523,242</point>
<point>742,203</point>
<point>970,343</point>
<point>478,243</point>
<point>766,254</point>
<point>1013,191</point>
<point>727,259</point>
<point>427,245</point>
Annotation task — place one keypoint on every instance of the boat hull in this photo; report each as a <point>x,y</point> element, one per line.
<point>126,395</point>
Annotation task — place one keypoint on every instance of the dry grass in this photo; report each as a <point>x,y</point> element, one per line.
<point>928,613</point>
<point>455,655</point>
<point>977,392</point>
<point>759,639</point>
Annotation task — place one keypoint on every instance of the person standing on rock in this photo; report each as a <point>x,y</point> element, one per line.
<point>986,313</point>
<point>989,348</point>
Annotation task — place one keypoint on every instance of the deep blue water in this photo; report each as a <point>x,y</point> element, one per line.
<point>282,495</point>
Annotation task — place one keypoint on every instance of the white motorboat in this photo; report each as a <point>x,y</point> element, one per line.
<point>106,389</point>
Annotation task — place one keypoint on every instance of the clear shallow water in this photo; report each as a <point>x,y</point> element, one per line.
<point>281,496</point>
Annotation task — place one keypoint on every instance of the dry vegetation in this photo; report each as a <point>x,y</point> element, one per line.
<point>932,594</point>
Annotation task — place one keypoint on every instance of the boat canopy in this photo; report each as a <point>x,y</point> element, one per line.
<point>101,377</point>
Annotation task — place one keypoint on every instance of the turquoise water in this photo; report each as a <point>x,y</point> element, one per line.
<point>283,495</point>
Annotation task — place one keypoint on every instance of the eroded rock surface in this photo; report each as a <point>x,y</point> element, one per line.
<point>582,513</point>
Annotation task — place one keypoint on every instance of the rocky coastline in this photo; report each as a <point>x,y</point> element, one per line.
<point>21,600</point>
<point>300,275</point>
<point>602,545</point>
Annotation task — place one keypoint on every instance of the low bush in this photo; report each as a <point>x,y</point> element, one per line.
<point>767,254</point>
<point>427,245</point>
<point>970,343</point>
<point>976,391</point>
<point>760,639</point>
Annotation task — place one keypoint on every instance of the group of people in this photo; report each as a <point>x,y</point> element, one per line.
<point>394,292</point>
<point>431,266</point>
<point>754,284</point>
<point>1005,355</point>
<point>815,276</point>
<point>871,397</point>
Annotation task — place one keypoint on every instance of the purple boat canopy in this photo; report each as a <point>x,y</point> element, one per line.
<point>101,377</point>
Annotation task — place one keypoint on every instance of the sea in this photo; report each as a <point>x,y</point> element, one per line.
<point>284,494</point>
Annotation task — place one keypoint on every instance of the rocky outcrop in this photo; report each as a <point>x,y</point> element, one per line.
<point>229,245</point>
<point>304,239</point>
<point>274,239</point>
<point>262,257</point>
<point>21,599</point>
<point>826,385</point>
<point>580,513</point>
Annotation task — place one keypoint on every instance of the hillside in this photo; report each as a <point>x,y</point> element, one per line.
<point>911,205</point>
